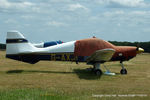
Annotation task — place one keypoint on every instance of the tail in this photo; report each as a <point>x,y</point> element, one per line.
<point>18,48</point>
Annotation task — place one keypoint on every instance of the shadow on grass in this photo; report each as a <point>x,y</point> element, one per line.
<point>35,71</point>
<point>81,73</point>
<point>14,71</point>
<point>84,74</point>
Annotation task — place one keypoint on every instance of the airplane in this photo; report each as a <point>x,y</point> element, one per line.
<point>93,51</point>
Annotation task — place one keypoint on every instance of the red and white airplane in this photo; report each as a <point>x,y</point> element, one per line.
<point>93,51</point>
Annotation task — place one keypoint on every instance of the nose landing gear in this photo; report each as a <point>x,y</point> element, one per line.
<point>123,71</point>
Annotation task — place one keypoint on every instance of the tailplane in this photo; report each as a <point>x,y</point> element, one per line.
<point>18,48</point>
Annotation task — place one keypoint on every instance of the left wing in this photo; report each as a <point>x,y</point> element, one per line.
<point>101,56</point>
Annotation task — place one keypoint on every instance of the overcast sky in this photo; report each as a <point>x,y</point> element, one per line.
<point>46,20</point>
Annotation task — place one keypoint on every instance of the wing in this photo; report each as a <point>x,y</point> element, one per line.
<point>100,56</point>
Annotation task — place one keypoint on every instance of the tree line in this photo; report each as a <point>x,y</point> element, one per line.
<point>2,46</point>
<point>144,45</point>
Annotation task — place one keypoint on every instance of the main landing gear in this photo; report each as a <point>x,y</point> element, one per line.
<point>97,70</point>
<point>123,71</point>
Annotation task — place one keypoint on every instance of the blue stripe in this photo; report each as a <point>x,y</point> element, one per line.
<point>34,58</point>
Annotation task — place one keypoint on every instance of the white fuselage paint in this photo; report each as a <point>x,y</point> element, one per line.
<point>25,48</point>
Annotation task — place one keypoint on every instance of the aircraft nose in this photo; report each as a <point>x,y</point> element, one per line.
<point>139,50</point>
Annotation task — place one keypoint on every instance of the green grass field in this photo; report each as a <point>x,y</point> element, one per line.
<point>68,81</point>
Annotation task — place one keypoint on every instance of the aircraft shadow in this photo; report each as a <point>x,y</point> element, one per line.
<point>35,71</point>
<point>81,73</point>
<point>85,74</point>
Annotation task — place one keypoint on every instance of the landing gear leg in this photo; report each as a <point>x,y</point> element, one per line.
<point>108,71</point>
<point>97,69</point>
<point>123,71</point>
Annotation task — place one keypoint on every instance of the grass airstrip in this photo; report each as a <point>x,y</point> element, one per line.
<point>68,81</point>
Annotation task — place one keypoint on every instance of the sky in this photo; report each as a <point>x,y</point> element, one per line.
<point>67,20</point>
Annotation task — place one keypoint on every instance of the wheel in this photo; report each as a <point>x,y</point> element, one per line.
<point>123,71</point>
<point>98,72</point>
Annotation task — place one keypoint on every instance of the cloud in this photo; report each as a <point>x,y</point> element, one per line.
<point>58,1</point>
<point>55,23</point>
<point>7,6</point>
<point>123,3</point>
<point>40,6</point>
<point>127,3</point>
<point>140,13</point>
<point>73,7</point>
<point>10,21</point>
<point>123,19</point>
<point>4,4</point>
<point>110,14</point>
<point>124,14</point>
<point>27,17</point>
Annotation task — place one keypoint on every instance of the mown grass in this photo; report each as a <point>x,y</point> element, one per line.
<point>68,81</point>
<point>31,94</point>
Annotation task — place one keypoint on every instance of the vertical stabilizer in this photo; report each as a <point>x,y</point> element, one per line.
<point>16,43</point>
<point>18,48</point>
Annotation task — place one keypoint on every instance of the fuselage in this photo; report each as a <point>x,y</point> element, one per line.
<point>77,51</point>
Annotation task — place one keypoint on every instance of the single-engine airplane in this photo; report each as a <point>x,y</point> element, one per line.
<point>93,51</point>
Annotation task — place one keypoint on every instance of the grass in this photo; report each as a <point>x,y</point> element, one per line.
<point>69,81</point>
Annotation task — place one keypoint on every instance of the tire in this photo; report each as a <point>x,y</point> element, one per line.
<point>98,72</point>
<point>123,71</point>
